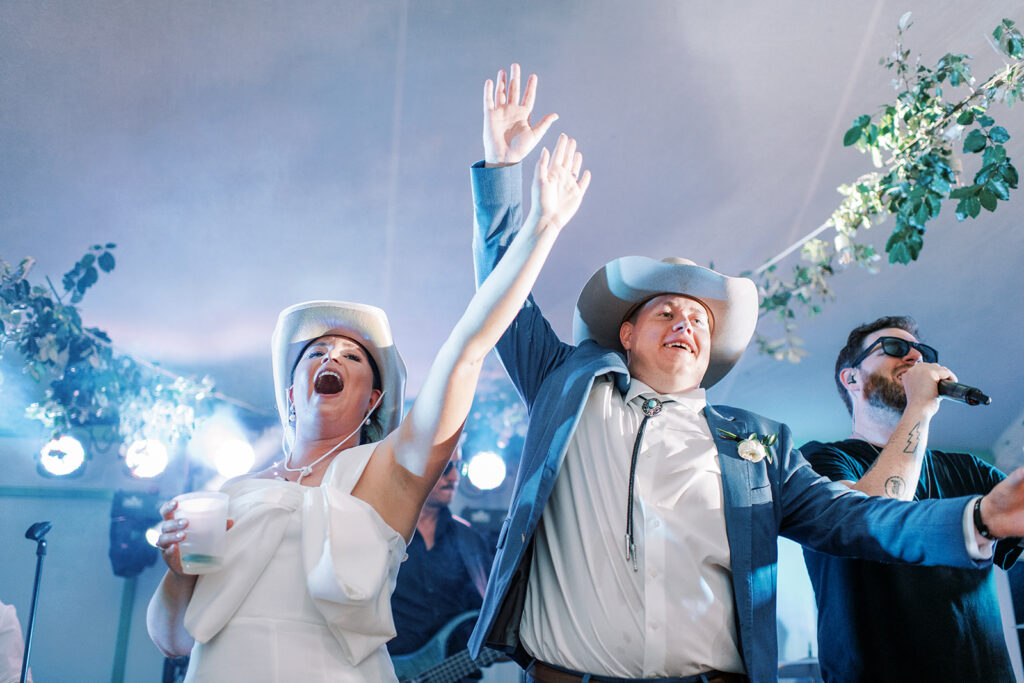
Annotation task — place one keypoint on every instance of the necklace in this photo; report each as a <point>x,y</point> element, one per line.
<point>307,470</point>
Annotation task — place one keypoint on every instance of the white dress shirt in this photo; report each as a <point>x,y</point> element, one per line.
<point>586,607</point>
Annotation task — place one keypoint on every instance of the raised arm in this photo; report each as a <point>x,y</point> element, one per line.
<point>413,457</point>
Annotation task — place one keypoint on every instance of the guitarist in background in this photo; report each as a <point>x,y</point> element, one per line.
<point>444,576</point>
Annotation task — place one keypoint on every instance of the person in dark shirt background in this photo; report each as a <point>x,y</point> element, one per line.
<point>886,622</point>
<point>444,576</point>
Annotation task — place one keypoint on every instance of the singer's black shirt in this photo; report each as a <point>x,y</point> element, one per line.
<point>887,622</point>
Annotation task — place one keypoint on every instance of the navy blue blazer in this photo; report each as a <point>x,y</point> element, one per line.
<point>762,500</point>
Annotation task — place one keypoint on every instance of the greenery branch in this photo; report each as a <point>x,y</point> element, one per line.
<point>911,141</point>
<point>88,383</point>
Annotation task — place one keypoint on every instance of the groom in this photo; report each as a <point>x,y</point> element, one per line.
<point>640,542</point>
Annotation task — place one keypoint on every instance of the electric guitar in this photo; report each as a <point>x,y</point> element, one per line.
<point>429,665</point>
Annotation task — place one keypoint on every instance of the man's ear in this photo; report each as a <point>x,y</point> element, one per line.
<point>850,378</point>
<point>626,334</point>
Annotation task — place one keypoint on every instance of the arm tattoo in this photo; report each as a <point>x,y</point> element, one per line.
<point>913,439</point>
<point>894,486</point>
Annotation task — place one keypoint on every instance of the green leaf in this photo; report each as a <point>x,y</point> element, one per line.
<point>994,155</point>
<point>966,118</point>
<point>939,185</point>
<point>87,261</point>
<point>1010,176</point>
<point>111,245</point>
<point>905,21</point>
<point>851,137</point>
<point>961,210</point>
<point>973,207</point>
<point>88,279</point>
<point>999,189</point>
<point>106,261</point>
<point>985,121</point>
<point>988,200</point>
<point>975,141</point>
<point>862,120</point>
<point>962,192</point>
<point>998,134</point>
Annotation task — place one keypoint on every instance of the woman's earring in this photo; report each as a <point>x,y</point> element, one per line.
<point>291,413</point>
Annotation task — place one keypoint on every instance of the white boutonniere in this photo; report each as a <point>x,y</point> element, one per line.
<point>753,448</point>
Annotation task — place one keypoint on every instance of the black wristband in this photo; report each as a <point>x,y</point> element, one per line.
<point>979,524</point>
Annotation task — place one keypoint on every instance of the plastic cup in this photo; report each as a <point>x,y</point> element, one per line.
<point>202,550</point>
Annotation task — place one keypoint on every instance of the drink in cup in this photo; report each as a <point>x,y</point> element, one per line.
<point>202,549</point>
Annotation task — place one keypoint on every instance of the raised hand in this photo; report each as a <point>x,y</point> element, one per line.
<point>508,135</point>
<point>921,384</point>
<point>558,187</point>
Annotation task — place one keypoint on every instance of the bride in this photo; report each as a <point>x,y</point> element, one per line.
<point>316,540</point>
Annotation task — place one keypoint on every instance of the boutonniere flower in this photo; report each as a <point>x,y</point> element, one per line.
<point>753,448</point>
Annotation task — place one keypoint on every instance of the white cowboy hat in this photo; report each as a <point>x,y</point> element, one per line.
<point>302,323</point>
<point>615,291</point>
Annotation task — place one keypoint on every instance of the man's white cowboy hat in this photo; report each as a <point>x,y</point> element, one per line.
<point>302,323</point>
<point>615,291</point>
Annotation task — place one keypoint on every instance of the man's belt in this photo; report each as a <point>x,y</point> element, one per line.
<point>547,673</point>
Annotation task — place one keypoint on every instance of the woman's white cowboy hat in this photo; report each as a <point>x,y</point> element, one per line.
<point>302,323</point>
<point>615,291</point>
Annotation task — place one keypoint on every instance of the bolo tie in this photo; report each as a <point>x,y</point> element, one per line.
<point>650,408</point>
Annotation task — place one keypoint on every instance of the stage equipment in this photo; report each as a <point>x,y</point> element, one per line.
<point>486,471</point>
<point>233,457</point>
<point>62,457</point>
<point>146,458</point>
<point>131,515</point>
<point>37,532</point>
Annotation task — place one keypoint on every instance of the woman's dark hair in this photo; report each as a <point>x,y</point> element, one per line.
<point>855,344</point>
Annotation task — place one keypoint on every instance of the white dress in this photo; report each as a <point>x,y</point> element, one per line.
<point>305,590</point>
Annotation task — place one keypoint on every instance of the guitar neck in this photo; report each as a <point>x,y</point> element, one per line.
<point>457,666</point>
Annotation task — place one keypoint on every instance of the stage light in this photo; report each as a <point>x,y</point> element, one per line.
<point>153,534</point>
<point>61,457</point>
<point>486,470</point>
<point>146,458</point>
<point>233,457</point>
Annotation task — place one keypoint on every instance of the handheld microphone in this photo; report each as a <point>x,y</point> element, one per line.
<point>963,393</point>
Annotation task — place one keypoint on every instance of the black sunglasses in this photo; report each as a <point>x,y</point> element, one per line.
<point>458,466</point>
<point>897,348</point>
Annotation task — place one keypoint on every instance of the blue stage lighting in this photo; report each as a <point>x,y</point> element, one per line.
<point>146,458</point>
<point>233,457</point>
<point>486,470</point>
<point>62,456</point>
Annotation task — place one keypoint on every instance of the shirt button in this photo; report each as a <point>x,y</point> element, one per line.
<point>656,523</point>
<point>654,626</point>
<point>654,575</point>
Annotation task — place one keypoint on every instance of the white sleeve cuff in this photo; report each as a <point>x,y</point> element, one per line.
<point>978,547</point>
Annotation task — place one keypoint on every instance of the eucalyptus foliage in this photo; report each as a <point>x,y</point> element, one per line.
<point>913,142</point>
<point>87,382</point>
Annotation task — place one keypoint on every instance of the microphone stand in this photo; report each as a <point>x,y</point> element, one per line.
<point>37,533</point>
